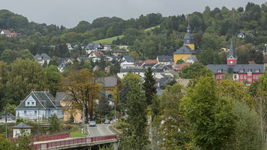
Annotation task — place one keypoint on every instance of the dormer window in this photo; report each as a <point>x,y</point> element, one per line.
<point>30,102</point>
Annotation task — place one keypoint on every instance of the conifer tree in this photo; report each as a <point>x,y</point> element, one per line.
<point>149,86</point>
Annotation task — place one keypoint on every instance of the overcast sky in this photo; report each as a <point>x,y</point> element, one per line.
<point>70,12</point>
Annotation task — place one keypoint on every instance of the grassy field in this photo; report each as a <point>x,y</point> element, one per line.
<point>151,28</point>
<point>77,134</point>
<point>108,40</point>
<point>111,39</point>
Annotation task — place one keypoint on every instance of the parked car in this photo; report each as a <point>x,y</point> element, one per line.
<point>92,123</point>
<point>107,122</point>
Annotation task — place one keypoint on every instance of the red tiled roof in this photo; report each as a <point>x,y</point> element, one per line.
<point>150,61</point>
<point>179,67</point>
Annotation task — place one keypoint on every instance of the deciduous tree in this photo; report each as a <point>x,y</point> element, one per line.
<point>84,90</point>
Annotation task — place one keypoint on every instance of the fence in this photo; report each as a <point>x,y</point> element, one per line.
<point>71,142</point>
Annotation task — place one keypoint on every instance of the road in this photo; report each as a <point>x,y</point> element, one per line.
<point>100,130</point>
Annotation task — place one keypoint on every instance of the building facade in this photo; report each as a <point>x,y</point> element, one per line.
<point>247,73</point>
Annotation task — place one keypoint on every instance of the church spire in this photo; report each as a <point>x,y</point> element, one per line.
<point>188,28</point>
<point>231,50</point>
<point>188,38</point>
<point>231,59</point>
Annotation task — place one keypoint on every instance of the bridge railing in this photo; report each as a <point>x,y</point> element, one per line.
<point>52,137</point>
<point>68,142</point>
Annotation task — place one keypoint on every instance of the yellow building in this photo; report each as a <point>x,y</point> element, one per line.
<point>187,50</point>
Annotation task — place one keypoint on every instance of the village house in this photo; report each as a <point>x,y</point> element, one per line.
<point>93,46</point>
<point>21,130</point>
<point>70,48</point>
<point>109,88</point>
<point>127,62</point>
<point>63,62</point>
<point>42,59</point>
<point>247,73</point>
<point>38,105</point>
<point>165,60</point>
<point>149,63</point>
<point>119,52</point>
<point>8,33</point>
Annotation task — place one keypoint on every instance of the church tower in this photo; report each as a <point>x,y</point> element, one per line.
<point>188,39</point>
<point>231,59</point>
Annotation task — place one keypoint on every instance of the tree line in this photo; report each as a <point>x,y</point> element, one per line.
<point>204,115</point>
<point>212,30</point>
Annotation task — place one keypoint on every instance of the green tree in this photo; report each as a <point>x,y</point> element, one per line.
<point>3,81</point>
<point>174,129</point>
<point>9,55</point>
<point>247,132</point>
<point>23,143</point>
<point>135,135</point>
<point>5,144</point>
<point>55,124</point>
<point>149,86</point>
<point>127,82</point>
<point>195,70</point>
<point>53,79</point>
<point>24,76</point>
<point>211,118</point>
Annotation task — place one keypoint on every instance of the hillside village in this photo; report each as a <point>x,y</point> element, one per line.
<point>165,83</point>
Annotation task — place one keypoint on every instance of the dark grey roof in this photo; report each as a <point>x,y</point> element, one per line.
<point>107,81</point>
<point>128,58</point>
<point>165,58</point>
<point>185,50</point>
<point>44,100</point>
<point>119,51</point>
<point>132,70</point>
<point>94,46</point>
<point>156,68</point>
<point>63,96</point>
<point>240,68</point>
<point>188,38</point>
<point>22,126</point>
<point>43,56</point>
<point>231,50</point>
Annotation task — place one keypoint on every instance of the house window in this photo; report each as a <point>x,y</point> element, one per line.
<point>28,103</point>
<point>35,112</point>
<point>241,76</point>
<point>25,112</point>
<point>32,103</point>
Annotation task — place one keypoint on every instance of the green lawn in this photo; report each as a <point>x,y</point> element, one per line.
<point>111,39</point>
<point>108,40</point>
<point>77,134</point>
<point>151,28</point>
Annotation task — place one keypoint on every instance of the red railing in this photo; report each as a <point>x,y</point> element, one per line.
<point>52,137</point>
<point>69,142</point>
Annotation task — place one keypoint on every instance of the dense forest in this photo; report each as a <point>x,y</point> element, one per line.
<point>212,30</point>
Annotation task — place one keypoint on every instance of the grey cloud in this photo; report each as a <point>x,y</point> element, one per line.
<point>70,12</point>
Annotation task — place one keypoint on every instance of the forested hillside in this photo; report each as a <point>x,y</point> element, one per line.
<point>212,30</point>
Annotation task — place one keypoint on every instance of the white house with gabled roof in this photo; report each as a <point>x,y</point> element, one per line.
<point>39,105</point>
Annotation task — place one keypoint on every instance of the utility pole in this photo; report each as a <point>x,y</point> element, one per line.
<point>6,123</point>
